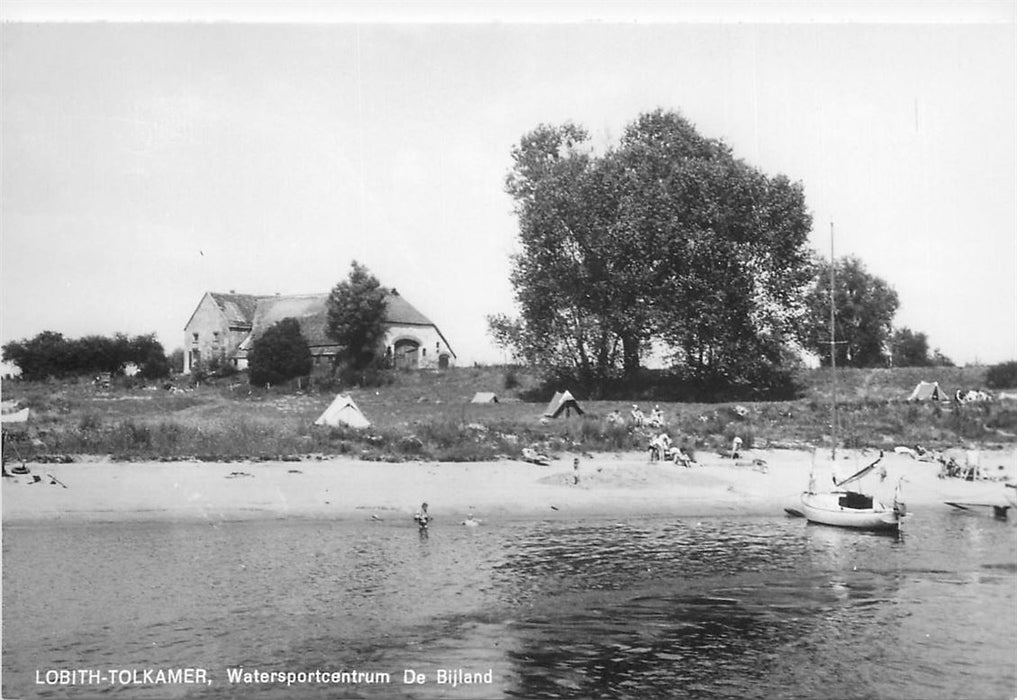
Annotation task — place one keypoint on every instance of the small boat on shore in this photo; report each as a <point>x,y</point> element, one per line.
<point>853,509</point>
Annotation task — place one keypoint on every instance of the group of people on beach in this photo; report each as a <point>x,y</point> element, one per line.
<point>637,418</point>
<point>663,448</point>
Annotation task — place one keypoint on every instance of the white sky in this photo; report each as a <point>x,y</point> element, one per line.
<point>144,164</point>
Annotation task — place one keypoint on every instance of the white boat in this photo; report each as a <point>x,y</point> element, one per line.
<point>1000,509</point>
<point>844,507</point>
<point>853,509</point>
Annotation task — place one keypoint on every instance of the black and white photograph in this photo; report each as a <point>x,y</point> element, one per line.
<point>508,350</point>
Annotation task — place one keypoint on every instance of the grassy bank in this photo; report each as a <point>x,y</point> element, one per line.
<point>428,415</point>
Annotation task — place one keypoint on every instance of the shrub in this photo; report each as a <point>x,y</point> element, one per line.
<point>511,379</point>
<point>1002,376</point>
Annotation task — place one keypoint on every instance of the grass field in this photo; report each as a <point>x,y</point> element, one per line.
<point>428,415</point>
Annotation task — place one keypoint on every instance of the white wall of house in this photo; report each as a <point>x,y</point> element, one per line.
<point>417,346</point>
<point>208,335</point>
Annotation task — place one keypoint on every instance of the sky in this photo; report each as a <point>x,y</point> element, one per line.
<point>149,159</point>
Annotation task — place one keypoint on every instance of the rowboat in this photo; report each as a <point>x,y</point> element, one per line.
<point>999,509</point>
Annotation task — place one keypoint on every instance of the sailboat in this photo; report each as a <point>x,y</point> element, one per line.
<point>843,507</point>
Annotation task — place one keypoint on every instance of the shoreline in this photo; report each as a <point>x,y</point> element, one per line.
<point>344,489</point>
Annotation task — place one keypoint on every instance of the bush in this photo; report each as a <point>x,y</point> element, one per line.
<point>280,354</point>
<point>511,379</point>
<point>1002,376</point>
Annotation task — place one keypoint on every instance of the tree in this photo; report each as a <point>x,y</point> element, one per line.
<point>665,237</point>
<point>45,355</point>
<point>909,349</point>
<point>148,354</point>
<point>279,354</point>
<point>728,243</point>
<point>560,275</point>
<point>864,306</point>
<point>356,318</point>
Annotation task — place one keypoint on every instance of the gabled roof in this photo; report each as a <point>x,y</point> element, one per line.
<point>400,311</point>
<point>237,308</point>
<point>258,313</point>
<point>310,310</point>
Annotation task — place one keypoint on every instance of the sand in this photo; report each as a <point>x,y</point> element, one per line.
<point>346,489</point>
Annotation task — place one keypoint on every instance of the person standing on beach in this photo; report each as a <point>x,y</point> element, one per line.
<point>575,469</point>
<point>736,446</point>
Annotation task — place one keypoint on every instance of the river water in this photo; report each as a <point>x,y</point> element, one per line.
<point>633,608</point>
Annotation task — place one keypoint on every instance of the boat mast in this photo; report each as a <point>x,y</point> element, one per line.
<point>833,348</point>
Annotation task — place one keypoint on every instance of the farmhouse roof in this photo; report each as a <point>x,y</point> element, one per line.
<point>238,308</point>
<point>258,312</point>
<point>401,312</point>
<point>310,310</point>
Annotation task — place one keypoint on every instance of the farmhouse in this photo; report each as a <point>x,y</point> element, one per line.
<point>224,326</point>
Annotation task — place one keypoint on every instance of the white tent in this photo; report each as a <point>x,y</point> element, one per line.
<point>343,411</point>
<point>16,416</point>
<point>484,397</point>
<point>928,391</point>
<point>562,401</point>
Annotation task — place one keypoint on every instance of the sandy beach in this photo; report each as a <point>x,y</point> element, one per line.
<point>609,484</point>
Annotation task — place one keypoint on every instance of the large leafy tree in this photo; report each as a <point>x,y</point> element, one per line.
<point>561,274</point>
<point>665,237</point>
<point>279,354</point>
<point>725,246</point>
<point>356,317</point>
<point>864,307</point>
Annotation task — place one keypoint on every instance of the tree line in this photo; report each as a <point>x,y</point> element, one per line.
<point>50,354</point>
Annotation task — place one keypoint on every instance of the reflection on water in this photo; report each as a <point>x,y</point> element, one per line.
<point>665,607</point>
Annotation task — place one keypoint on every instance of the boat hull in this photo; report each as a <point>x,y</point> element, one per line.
<point>826,509</point>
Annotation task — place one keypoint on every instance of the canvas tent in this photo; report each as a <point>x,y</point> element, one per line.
<point>15,416</point>
<point>928,391</point>
<point>484,397</point>
<point>562,401</point>
<point>343,411</point>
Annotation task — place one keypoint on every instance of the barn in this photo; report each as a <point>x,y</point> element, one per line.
<point>223,327</point>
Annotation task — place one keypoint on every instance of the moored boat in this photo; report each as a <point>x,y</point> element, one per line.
<point>853,509</point>
<point>841,507</point>
<point>849,509</point>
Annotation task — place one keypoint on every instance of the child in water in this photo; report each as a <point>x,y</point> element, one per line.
<point>422,517</point>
